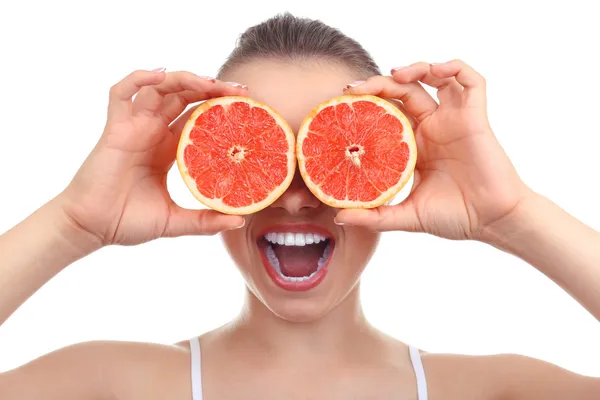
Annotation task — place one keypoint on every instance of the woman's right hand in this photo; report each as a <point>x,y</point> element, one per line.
<point>119,195</point>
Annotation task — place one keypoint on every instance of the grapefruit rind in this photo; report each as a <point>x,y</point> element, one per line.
<point>216,203</point>
<point>385,197</point>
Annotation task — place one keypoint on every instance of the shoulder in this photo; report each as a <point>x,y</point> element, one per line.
<point>504,377</point>
<point>103,369</point>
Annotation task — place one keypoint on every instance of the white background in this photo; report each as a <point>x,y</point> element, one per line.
<point>60,58</point>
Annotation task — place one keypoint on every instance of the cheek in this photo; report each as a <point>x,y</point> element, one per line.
<point>237,246</point>
<point>359,246</point>
<point>243,254</point>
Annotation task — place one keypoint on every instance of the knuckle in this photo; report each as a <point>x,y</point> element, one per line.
<point>201,222</point>
<point>114,90</point>
<point>477,76</point>
<point>375,81</point>
<point>421,66</point>
<point>470,71</point>
<point>117,88</point>
<point>204,226</point>
<point>137,75</point>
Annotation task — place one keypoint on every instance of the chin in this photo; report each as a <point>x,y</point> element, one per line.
<point>298,310</point>
<point>299,305</point>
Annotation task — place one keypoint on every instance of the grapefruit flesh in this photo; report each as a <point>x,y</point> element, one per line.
<point>236,155</point>
<point>356,151</point>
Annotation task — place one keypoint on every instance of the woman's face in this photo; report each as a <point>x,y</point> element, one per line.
<point>297,280</point>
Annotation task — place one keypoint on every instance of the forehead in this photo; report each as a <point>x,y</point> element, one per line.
<point>292,88</point>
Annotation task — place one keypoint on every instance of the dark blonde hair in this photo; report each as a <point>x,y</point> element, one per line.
<point>289,38</point>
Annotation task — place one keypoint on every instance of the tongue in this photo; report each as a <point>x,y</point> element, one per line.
<point>299,261</point>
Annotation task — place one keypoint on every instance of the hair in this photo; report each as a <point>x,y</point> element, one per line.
<point>285,37</point>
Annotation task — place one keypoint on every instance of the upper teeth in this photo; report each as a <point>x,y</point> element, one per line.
<point>294,239</point>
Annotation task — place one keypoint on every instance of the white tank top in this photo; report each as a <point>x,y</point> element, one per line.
<point>415,358</point>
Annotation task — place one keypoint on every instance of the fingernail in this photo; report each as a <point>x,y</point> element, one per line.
<point>396,69</point>
<point>158,70</point>
<point>338,223</point>
<point>354,84</point>
<point>239,226</point>
<point>432,64</point>
<point>238,85</point>
<point>208,78</point>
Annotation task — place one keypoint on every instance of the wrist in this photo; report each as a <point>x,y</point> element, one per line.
<point>525,220</point>
<point>74,237</point>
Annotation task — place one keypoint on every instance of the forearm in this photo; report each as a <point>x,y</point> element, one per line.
<point>34,251</point>
<point>557,244</point>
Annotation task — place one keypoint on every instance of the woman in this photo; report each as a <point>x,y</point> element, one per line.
<point>314,344</point>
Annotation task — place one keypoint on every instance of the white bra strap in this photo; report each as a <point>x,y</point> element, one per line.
<point>415,357</point>
<point>196,369</point>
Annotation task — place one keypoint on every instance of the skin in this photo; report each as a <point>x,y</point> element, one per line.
<point>465,188</point>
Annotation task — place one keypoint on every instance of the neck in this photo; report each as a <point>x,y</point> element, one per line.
<point>339,330</point>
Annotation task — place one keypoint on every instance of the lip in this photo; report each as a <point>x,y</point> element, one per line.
<point>295,228</point>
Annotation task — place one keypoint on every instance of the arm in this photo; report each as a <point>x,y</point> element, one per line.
<point>556,243</point>
<point>525,378</point>
<point>504,377</point>
<point>35,251</point>
<point>102,371</point>
<point>73,373</point>
<point>467,188</point>
<point>118,196</point>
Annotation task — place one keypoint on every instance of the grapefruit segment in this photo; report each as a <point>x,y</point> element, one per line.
<point>356,151</point>
<point>236,155</point>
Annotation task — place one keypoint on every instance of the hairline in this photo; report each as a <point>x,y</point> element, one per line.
<point>319,60</point>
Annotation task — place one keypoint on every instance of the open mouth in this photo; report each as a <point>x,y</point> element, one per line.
<point>296,260</point>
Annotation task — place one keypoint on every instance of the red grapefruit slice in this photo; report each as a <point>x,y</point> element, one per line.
<point>236,155</point>
<point>356,151</point>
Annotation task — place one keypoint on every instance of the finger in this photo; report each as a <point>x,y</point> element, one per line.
<point>416,181</point>
<point>474,84</point>
<point>448,90</point>
<point>414,97</point>
<point>120,94</point>
<point>177,126</point>
<point>413,121</point>
<point>176,103</point>
<point>400,217</point>
<point>184,222</point>
<point>464,73</point>
<point>150,99</point>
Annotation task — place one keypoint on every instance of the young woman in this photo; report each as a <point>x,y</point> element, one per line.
<point>313,344</point>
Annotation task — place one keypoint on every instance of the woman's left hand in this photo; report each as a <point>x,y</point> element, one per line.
<point>463,180</point>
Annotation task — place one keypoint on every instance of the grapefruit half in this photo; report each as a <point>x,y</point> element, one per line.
<point>356,151</point>
<point>236,155</point>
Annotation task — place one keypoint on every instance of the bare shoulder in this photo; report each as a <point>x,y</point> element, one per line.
<point>504,377</point>
<point>103,370</point>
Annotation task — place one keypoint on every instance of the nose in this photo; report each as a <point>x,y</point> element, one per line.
<point>297,199</point>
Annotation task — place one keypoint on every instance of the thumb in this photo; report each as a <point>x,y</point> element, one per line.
<point>400,217</point>
<point>184,222</point>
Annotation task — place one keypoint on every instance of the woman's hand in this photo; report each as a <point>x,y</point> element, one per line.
<point>464,182</point>
<point>119,195</point>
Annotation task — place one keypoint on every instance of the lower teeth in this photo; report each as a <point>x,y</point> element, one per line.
<point>270,253</point>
